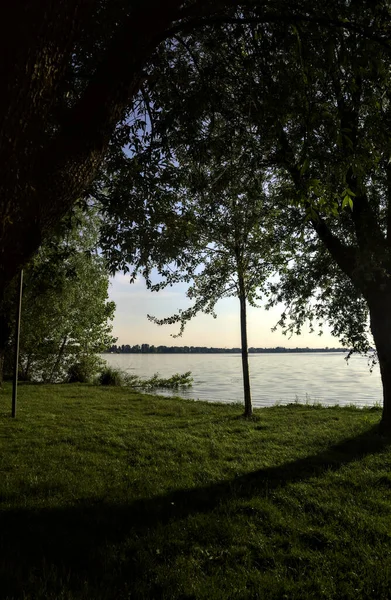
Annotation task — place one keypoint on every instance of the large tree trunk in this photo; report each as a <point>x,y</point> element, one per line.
<point>248,409</point>
<point>380,313</point>
<point>48,163</point>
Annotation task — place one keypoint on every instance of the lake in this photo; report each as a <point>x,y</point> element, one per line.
<point>275,378</point>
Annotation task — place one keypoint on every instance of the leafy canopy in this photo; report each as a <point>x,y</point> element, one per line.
<point>66,313</point>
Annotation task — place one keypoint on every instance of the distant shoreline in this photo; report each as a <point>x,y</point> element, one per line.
<point>147,349</point>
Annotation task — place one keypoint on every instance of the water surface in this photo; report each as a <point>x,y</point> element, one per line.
<point>275,378</point>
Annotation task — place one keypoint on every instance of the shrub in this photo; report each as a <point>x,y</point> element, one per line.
<point>111,376</point>
<point>85,369</point>
<point>179,380</point>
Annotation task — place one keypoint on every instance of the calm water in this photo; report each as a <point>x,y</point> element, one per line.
<point>275,378</point>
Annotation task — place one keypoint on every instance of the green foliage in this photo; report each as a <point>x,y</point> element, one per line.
<point>174,382</point>
<point>85,370</point>
<point>312,83</point>
<point>304,94</point>
<point>231,232</point>
<point>116,494</point>
<point>69,103</point>
<point>117,377</point>
<point>66,315</point>
<point>315,292</point>
<point>206,215</point>
<point>302,104</point>
<point>111,376</point>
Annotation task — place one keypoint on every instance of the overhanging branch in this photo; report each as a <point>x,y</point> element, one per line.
<point>269,17</point>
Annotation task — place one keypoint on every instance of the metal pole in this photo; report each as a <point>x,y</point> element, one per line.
<point>16,357</point>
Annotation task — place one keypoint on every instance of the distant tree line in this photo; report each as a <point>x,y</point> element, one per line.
<point>147,349</point>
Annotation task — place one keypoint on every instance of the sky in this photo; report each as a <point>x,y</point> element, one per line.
<point>135,301</point>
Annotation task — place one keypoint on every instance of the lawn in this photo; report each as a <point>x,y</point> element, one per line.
<point>108,493</point>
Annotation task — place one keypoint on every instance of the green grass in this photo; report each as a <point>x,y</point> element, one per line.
<point>107,493</point>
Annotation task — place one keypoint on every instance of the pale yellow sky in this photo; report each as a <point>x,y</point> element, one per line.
<point>135,301</point>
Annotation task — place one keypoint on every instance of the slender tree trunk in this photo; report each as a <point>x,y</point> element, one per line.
<point>380,313</point>
<point>58,360</point>
<point>248,409</point>
<point>26,371</point>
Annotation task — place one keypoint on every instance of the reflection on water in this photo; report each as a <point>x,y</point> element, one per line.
<point>275,378</point>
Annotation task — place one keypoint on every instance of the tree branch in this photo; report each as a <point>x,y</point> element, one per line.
<point>68,164</point>
<point>345,256</point>
<point>289,19</point>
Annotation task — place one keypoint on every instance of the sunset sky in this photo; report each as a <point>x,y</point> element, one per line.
<point>135,301</point>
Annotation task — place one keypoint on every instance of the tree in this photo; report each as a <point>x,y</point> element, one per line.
<point>331,160</point>
<point>328,156</point>
<point>70,74</point>
<point>234,261</point>
<point>333,148</point>
<point>69,324</point>
<point>209,223</point>
<point>74,74</point>
<point>325,146</point>
<point>72,78</point>
<point>57,120</point>
<point>66,314</point>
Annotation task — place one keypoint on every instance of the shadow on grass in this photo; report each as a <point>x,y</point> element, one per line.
<point>46,550</point>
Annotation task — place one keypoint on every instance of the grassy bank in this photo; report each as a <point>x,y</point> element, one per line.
<point>105,493</point>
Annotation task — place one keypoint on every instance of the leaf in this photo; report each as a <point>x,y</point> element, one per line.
<point>304,166</point>
<point>347,201</point>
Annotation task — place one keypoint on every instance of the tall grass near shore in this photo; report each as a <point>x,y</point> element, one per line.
<point>111,494</point>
